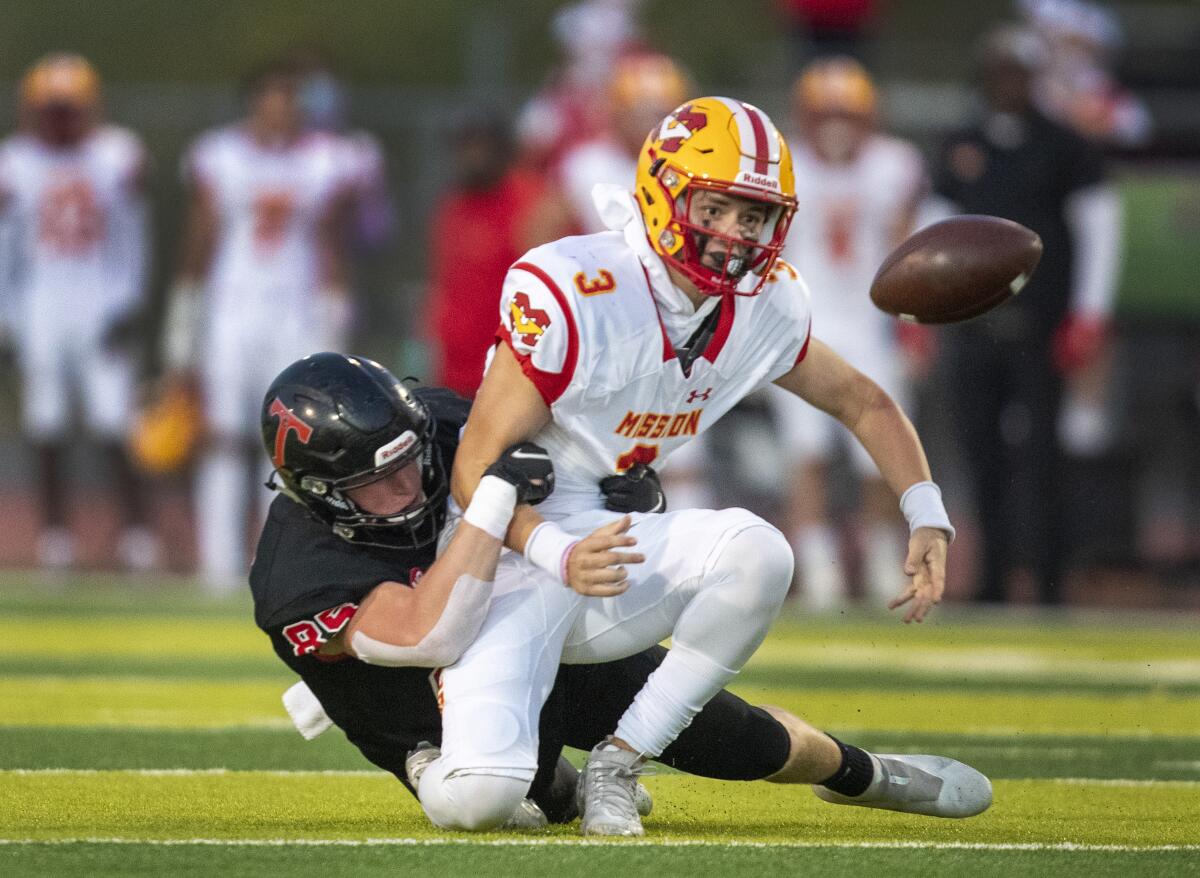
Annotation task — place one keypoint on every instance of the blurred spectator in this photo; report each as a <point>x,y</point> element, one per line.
<point>71,189</point>
<point>858,190</point>
<point>642,89</point>
<point>824,28</point>
<point>262,283</point>
<point>1077,86</point>
<point>591,35</point>
<point>322,97</point>
<point>480,227</point>
<point>1004,370</point>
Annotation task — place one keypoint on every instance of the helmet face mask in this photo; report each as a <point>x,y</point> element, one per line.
<point>334,423</point>
<point>721,146</point>
<point>739,257</point>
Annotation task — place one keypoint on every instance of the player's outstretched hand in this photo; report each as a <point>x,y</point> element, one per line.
<point>926,564</point>
<point>595,568</point>
<point>635,490</point>
<point>528,468</point>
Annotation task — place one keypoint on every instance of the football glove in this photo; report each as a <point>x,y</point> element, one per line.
<point>528,468</point>
<point>635,490</point>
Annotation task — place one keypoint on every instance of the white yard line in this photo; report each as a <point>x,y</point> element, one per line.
<point>582,842</point>
<point>276,772</point>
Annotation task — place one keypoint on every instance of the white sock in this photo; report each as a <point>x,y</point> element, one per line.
<point>735,602</point>
<point>673,695</point>
<point>823,579</point>
<point>221,518</point>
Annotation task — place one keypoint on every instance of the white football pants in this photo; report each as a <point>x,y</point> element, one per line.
<point>713,581</point>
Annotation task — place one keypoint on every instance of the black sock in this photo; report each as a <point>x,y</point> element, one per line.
<point>855,773</point>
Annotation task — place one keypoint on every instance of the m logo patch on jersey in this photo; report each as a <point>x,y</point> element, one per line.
<point>288,422</point>
<point>528,323</point>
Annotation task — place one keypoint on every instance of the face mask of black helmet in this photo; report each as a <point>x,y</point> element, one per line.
<point>331,423</point>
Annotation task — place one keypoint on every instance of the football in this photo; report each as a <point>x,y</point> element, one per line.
<point>956,269</point>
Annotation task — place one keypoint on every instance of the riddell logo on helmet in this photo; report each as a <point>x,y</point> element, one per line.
<point>762,182</point>
<point>396,447</point>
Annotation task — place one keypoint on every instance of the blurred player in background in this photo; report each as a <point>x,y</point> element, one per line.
<point>1077,85</point>
<point>642,88</point>
<point>262,282</point>
<point>371,211</point>
<point>71,189</point>
<point>480,227</point>
<point>591,35</point>
<point>857,191</point>
<point>1005,370</point>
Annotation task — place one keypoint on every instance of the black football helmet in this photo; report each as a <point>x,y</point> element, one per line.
<point>332,422</point>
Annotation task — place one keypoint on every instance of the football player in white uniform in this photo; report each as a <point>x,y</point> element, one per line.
<point>71,193</point>
<point>615,349</point>
<point>262,283</point>
<point>858,191</point>
<point>642,89</point>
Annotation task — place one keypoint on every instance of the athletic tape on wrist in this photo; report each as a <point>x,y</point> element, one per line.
<point>922,507</point>
<point>549,547</point>
<point>492,506</point>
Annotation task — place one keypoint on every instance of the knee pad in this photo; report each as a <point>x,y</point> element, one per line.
<point>471,802</point>
<point>758,558</point>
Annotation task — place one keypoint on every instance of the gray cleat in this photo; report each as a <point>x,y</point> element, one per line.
<point>936,786</point>
<point>418,760</point>
<point>608,792</point>
<point>527,816</point>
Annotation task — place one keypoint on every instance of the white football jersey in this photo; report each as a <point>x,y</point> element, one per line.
<point>846,218</point>
<point>270,203</point>
<point>582,319</point>
<point>76,219</point>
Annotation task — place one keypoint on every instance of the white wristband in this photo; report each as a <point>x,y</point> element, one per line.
<point>548,547</point>
<point>492,506</point>
<point>922,507</point>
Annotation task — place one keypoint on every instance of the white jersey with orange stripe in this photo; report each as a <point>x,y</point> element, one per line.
<point>580,314</point>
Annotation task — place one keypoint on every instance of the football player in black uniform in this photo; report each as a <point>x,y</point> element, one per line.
<point>363,589</point>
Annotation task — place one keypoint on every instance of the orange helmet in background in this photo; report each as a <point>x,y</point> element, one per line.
<point>644,78</point>
<point>839,86</point>
<point>836,104</point>
<point>60,98</point>
<point>723,145</point>
<point>642,89</point>
<point>61,78</point>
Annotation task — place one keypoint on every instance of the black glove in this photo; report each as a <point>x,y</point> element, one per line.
<point>635,490</point>
<point>527,467</point>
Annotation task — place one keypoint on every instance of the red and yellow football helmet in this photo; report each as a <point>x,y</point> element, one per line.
<point>724,145</point>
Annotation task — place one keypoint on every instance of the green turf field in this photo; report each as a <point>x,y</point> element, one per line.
<point>142,734</point>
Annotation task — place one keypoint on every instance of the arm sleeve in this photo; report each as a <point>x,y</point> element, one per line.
<point>537,323</point>
<point>1094,216</point>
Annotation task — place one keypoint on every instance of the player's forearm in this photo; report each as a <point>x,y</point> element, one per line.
<point>468,470</point>
<point>890,438</point>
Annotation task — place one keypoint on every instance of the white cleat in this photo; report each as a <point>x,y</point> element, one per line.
<point>936,786</point>
<point>608,793</point>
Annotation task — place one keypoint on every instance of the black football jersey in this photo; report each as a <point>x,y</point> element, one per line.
<point>307,584</point>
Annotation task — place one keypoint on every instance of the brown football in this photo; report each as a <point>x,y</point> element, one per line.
<point>956,269</point>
